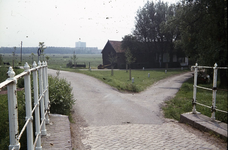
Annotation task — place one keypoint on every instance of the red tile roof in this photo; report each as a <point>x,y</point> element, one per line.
<point>117,46</point>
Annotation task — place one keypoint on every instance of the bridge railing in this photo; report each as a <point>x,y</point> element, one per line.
<point>40,108</point>
<point>213,89</point>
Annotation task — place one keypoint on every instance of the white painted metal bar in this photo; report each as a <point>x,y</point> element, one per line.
<point>23,129</point>
<point>45,94</point>
<point>222,67</point>
<point>42,108</point>
<point>204,67</point>
<point>5,83</point>
<point>204,88</point>
<point>214,89</point>
<point>214,92</point>
<point>13,111</point>
<point>37,142</point>
<point>28,108</point>
<point>222,111</point>
<point>194,89</point>
<point>203,105</point>
<point>210,107</point>
<point>42,122</point>
<point>34,108</point>
<point>47,87</point>
<point>41,103</point>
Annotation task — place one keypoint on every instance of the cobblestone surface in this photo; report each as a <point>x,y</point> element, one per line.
<point>146,136</point>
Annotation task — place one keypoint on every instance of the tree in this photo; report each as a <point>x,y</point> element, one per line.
<point>74,58</point>
<point>42,48</point>
<point>47,58</point>
<point>112,59</point>
<point>130,42</point>
<point>14,55</point>
<point>150,34</point>
<point>1,59</point>
<point>32,55</point>
<point>129,60</point>
<point>203,28</point>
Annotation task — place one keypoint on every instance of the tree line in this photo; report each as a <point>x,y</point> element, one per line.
<point>195,28</point>
<point>49,50</point>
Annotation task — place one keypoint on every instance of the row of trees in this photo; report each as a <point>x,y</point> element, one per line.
<point>196,28</point>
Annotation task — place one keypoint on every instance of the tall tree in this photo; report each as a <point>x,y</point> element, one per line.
<point>150,31</point>
<point>203,28</point>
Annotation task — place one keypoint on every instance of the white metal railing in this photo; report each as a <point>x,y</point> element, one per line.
<point>41,105</point>
<point>213,89</point>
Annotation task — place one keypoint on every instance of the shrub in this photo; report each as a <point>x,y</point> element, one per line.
<point>70,64</point>
<point>61,98</point>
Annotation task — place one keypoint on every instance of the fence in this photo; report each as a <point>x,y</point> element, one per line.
<point>213,89</point>
<point>41,105</point>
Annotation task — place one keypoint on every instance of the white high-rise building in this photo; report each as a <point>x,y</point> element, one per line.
<point>80,44</point>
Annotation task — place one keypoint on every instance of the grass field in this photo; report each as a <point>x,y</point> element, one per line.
<point>56,60</point>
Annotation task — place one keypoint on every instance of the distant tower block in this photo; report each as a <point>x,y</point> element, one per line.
<point>80,44</point>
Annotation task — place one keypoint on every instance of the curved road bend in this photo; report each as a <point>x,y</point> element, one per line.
<point>111,116</point>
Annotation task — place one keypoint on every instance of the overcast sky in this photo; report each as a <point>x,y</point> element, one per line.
<point>61,23</point>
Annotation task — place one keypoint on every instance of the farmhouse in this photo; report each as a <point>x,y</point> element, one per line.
<point>155,59</point>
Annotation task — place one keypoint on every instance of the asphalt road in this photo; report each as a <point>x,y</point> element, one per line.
<point>101,105</point>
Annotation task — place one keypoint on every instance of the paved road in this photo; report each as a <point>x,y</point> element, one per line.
<point>130,121</point>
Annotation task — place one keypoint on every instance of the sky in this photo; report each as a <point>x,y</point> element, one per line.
<point>61,23</point>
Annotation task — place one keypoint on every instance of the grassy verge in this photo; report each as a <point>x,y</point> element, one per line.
<point>182,102</point>
<point>120,79</point>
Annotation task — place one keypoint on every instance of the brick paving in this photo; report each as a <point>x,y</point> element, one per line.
<point>145,136</point>
<point>58,134</point>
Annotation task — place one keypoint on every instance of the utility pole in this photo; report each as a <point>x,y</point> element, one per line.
<point>21,51</point>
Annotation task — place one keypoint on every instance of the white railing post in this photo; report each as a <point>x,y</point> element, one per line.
<point>28,107</point>
<point>45,94</point>
<point>194,89</point>
<point>42,109</point>
<point>37,110</point>
<point>13,111</point>
<point>213,107</point>
<point>48,90</point>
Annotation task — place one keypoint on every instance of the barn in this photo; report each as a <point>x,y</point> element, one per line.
<point>143,59</point>
<point>115,48</point>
